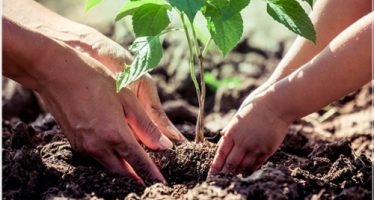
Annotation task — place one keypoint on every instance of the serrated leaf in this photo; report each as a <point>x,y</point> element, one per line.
<point>189,7</point>
<point>292,15</point>
<point>150,20</point>
<point>91,3</point>
<point>225,33</point>
<point>149,54</point>
<point>228,8</point>
<point>131,6</point>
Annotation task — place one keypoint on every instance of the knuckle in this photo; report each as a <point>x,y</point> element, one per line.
<point>150,129</point>
<point>113,137</point>
<point>156,110</point>
<point>127,150</point>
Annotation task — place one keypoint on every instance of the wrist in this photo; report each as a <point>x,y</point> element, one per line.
<point>263,87</point>
<point>278,105</point>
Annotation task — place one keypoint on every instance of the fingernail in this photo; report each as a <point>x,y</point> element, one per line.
<point>164,142</point>
<point>175,132</point>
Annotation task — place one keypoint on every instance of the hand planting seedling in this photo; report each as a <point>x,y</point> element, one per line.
<point>151,19</point>
<point>91,140</point>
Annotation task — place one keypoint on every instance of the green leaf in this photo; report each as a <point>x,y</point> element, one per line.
<point>131,6</point>
<point>225,23</point>
<point>292,15</point>
<point>91,3</point>
<point>215,83</point>
<point>189,7</point>
<point>150,20</point>
<point>228,8</point>
<point>225,33</point>
<point>149,54</point>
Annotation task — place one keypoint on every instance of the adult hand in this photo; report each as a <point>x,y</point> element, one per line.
<point>114,57</point>
<point>98,121</point>
<point>79,90</point>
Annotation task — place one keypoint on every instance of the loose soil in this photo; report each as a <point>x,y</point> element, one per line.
<point>327,155</point>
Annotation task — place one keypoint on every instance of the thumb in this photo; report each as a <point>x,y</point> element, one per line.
<point>141,124</point>
<point>146,91</point>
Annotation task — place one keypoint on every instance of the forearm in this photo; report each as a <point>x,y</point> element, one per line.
<point>33,37</point>
<point>342,67</point>
<point>329,19</point>
<point>23,49</point>
<point>34,16</point>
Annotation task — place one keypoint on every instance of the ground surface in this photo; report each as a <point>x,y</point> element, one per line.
<point>326,155</point>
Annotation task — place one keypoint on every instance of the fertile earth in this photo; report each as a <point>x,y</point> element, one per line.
<point>326,155</point>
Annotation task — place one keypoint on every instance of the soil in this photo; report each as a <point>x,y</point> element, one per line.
<point>326,155</point>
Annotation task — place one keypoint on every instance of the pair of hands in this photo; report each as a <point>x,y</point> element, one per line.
<point>100,122</point>
<point>107,126</point>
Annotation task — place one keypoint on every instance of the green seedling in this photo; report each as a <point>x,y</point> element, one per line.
<point>151,20</point>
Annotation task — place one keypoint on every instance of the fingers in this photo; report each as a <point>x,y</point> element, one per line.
<point>134,154</point>
<point>116,165</point>
<point>251,163</point>
<point>233,160</point>
<point>222,152</point>
<point>113,164</point>
<point>158,116</point>
<point>140,123</point>
<point>259,161</point>
<point>121,153</point>
<point>247,163</point>
<point>128,168</point>
<point>146,91</point>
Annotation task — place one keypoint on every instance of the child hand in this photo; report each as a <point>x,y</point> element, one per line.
<point>251,137</point>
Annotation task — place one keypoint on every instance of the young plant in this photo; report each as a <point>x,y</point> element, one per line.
<point>151,19</point>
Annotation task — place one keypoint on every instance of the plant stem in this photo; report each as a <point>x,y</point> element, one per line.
<point>206,48</point>
<point>201,119</point>
<point>192,72</point>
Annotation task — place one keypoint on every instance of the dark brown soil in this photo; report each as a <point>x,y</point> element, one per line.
<point>327,155</point>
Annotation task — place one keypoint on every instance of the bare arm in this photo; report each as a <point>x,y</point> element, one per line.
<point>329,18</point>
<point>342,67</point>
